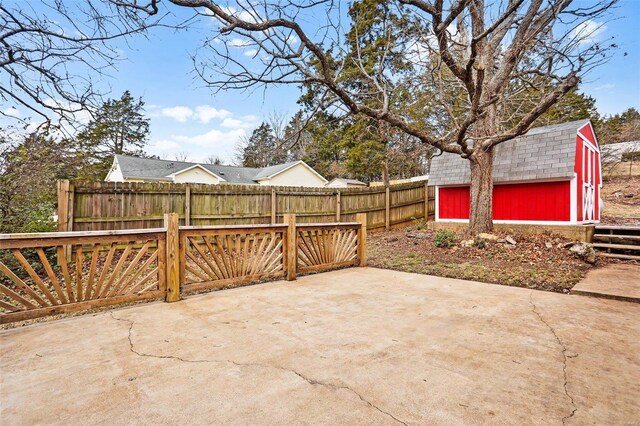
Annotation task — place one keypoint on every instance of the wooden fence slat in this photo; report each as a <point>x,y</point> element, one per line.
<point>109,287</point>
<point>34,276</point>
<point>139,272</point>
<point>62,259</point>
<point>52,276</point>
<point>124,279</point>
<point>92,271</point>
<point>106,267</point>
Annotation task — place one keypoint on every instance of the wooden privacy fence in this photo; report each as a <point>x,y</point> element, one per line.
<point>58,272</point>
<point>94,206</point>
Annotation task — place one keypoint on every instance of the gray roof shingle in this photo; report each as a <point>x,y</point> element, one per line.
<point>347,181</point>
<point>272,170</point>
<point>153,169</point>
<point>542,153</point>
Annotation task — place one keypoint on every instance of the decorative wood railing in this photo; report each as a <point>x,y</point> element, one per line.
<point>52,273</point>
<point>325,246</point>
<point>215,257</point>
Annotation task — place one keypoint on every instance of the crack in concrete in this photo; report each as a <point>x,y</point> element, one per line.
<point>564,361</point>
<point>312,382</point>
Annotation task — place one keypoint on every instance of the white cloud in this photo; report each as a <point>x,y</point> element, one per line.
<point>12,112</point>
<point>220,131</point>
<point>206,113</point>
<point>244,15</point>
<point>238,42</point>
<point>292,40</point>
<point>178,113</point>
<point>251,52</point>
<point>202,113</point>
<point>212,138</point>
<point>221,143</point>
<point>246,122</point>
<point>76,111</point>
<point>588,32</point>
<point>166,145</point>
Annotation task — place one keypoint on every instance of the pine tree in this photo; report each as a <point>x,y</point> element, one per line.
<point>118,127</point>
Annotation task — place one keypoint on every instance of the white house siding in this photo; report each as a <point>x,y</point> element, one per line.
<point>195,175</point>
<point>298,175</point>
<point>115,174</point>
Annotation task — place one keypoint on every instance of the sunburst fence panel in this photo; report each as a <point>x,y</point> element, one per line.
<point>327,246</point>
<point>223,256</point>
<point>50,273</point>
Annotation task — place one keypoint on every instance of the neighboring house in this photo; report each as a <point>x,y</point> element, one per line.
<point>420,178</point>
<point>401,181</point>
<point>345,183</point>
<point>550,175</point>
<point>615,151</point>
<point>135,169</point>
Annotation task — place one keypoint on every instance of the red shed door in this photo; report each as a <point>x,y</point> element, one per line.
<point>589,182</point>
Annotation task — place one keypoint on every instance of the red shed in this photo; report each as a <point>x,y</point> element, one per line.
<point>551,175</point>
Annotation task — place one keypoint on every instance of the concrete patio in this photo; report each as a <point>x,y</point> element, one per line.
<point>356,346</point>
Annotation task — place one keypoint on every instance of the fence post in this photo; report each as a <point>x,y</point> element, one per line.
<point>65,212</point>
<point>338,207</point>
<point>273,205</point>
<point>187,205</point>
<point>291,245</point>
<point>362,238</point>
<point>65,205</point>
<point>386,208</point>
<point>426,200</point>
<point>172,257</point>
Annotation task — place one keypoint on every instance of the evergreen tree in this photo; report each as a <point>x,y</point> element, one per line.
<point>620,127</point>
<point>29,170</point>
<point>118,127</point>
<point>259,149</point>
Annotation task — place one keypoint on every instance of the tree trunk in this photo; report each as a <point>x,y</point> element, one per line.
<point>481,213</point>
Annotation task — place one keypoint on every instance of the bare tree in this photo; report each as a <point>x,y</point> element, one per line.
<point>486,54</point>
<point>51,53</point>
<point>182,156</point>
<point>213,159</point>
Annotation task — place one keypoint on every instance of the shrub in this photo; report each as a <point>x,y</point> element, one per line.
<point>445,238</point>
<point>480,243</point>
<point>419,224</point>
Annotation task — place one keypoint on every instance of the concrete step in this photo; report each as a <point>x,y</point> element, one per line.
<point>614,281</point>
<point>618,256</point>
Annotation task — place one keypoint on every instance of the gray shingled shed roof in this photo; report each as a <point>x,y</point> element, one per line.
<point>152,169</point>
<point>542,153</point>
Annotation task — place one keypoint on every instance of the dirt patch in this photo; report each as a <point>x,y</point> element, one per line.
<point>621,199</point>
<point>539,262</point>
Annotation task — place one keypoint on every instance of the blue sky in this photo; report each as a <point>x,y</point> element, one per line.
<point>188,117</point>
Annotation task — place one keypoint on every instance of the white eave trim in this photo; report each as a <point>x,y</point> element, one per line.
<point>585,139</point>
<point>513,182</point>
<point>114,166</point>
<point>173,175</point>
<point>291,166</point>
